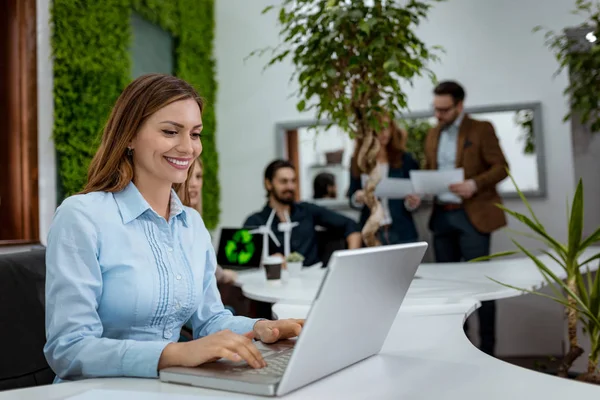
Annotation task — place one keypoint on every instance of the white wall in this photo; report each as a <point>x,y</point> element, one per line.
<point>46,152</point>
<point>489,48</point>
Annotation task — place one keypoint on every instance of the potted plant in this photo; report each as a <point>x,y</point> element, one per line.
<point>579,293</point>
<point>294,263</point>
<point>577,50</point>
<point>353,61</point>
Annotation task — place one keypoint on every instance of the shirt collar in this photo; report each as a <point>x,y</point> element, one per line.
<point>266,211</point>
<point>459,120</point>
<point>132,204</point>
<point>454,126</point>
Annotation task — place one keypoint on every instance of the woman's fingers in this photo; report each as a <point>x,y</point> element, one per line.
<point>292,328</point>
<point>270,335</point>
<point>230,355</point>
<point>248,351</point>
<point>255,352</point>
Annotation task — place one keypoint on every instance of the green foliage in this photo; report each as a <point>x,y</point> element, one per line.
<point>417,132</point>
<point>91,63</point>
<point>584,297</point>
<point>92,66</point>
<point>524,118</point>
<point>194,62</point>
<point>353,60</point>
<point>583,64</point>
<point>295,257</point>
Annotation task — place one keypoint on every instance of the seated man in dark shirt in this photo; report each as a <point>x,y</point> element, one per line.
<point>280,183</point>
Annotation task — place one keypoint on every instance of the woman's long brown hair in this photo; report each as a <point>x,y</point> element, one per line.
<point>395,148</point>
<point>111,169</point>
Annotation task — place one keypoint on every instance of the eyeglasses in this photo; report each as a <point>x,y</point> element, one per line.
<point>443,110</point>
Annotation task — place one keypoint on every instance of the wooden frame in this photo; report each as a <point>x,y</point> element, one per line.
<point>21,202</point>
<point>294,155</point>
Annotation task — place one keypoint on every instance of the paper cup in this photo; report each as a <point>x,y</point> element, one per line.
<point>273,268</point>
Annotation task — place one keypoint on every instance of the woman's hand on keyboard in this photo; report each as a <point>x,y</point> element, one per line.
<point>223,344</point>
<point>272,331</point>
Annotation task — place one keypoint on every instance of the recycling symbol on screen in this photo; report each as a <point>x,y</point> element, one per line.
<point>240,248</point>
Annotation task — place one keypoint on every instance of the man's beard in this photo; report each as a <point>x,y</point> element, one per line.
<point>287,200</point>
<point>447,124</point>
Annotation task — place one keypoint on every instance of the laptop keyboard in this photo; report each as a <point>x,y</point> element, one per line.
<point>276,364</point>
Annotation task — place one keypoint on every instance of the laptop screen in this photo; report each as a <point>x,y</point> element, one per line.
<point>239,249</point>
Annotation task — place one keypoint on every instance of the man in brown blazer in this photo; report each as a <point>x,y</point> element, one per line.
<point>463,219</point>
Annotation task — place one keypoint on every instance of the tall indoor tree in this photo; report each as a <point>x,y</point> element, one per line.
<point>353,60</point>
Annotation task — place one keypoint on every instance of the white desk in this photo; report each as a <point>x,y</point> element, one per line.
<point>442,281</point>
<point>426,354</point>
<point>424,357</point>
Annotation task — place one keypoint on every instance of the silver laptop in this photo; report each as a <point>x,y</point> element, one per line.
<point>349,321</point>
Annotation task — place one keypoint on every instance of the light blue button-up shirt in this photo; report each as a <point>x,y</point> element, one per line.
<point>446,155</point>
<point>121,281</point>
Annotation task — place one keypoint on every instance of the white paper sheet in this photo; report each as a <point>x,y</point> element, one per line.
<point>102,394</point>
<point>435,182</point>
<point>391,188</point>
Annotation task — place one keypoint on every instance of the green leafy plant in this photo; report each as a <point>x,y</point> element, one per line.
<point>524,119</point>
<point>417,130</point>
<point>582,60</point>
<point>353,62</point>
<point>580,294</point>
<point>92,65</point>
<point>295,257</point>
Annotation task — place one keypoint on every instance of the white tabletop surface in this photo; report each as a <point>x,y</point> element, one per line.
<point>424,357</point>
<point>426,354</point>
<point>442,281</point>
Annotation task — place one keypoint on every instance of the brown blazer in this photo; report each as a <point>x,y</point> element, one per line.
<point>479,154</point>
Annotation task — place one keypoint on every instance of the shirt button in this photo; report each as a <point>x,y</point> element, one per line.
<point>178,277</point>
<point>177,306</point>
<point>168,334</point>
<point>170,249</point>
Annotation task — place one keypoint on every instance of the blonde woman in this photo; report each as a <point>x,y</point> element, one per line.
<point>195,192</point>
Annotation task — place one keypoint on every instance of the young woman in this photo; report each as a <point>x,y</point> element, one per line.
<point>195,192</point>
<point>394,162</point>
<point>128,263</point>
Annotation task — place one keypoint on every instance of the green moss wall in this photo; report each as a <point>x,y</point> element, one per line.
<point>92,65</point>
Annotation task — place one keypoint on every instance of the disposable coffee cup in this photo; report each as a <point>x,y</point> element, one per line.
<point>272,266</point>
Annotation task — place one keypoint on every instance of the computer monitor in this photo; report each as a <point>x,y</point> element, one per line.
<point>239,249</point>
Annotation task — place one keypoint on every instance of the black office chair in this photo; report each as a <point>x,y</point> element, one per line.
<point>22,302</point>
<point>329,241</point>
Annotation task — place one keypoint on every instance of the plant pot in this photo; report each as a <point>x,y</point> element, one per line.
<point>589,378</point>
<point>294,268</point>
<point>334,157</point>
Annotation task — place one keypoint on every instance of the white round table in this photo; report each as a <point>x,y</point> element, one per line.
<point>301,289</point>
<point>452,281</point>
